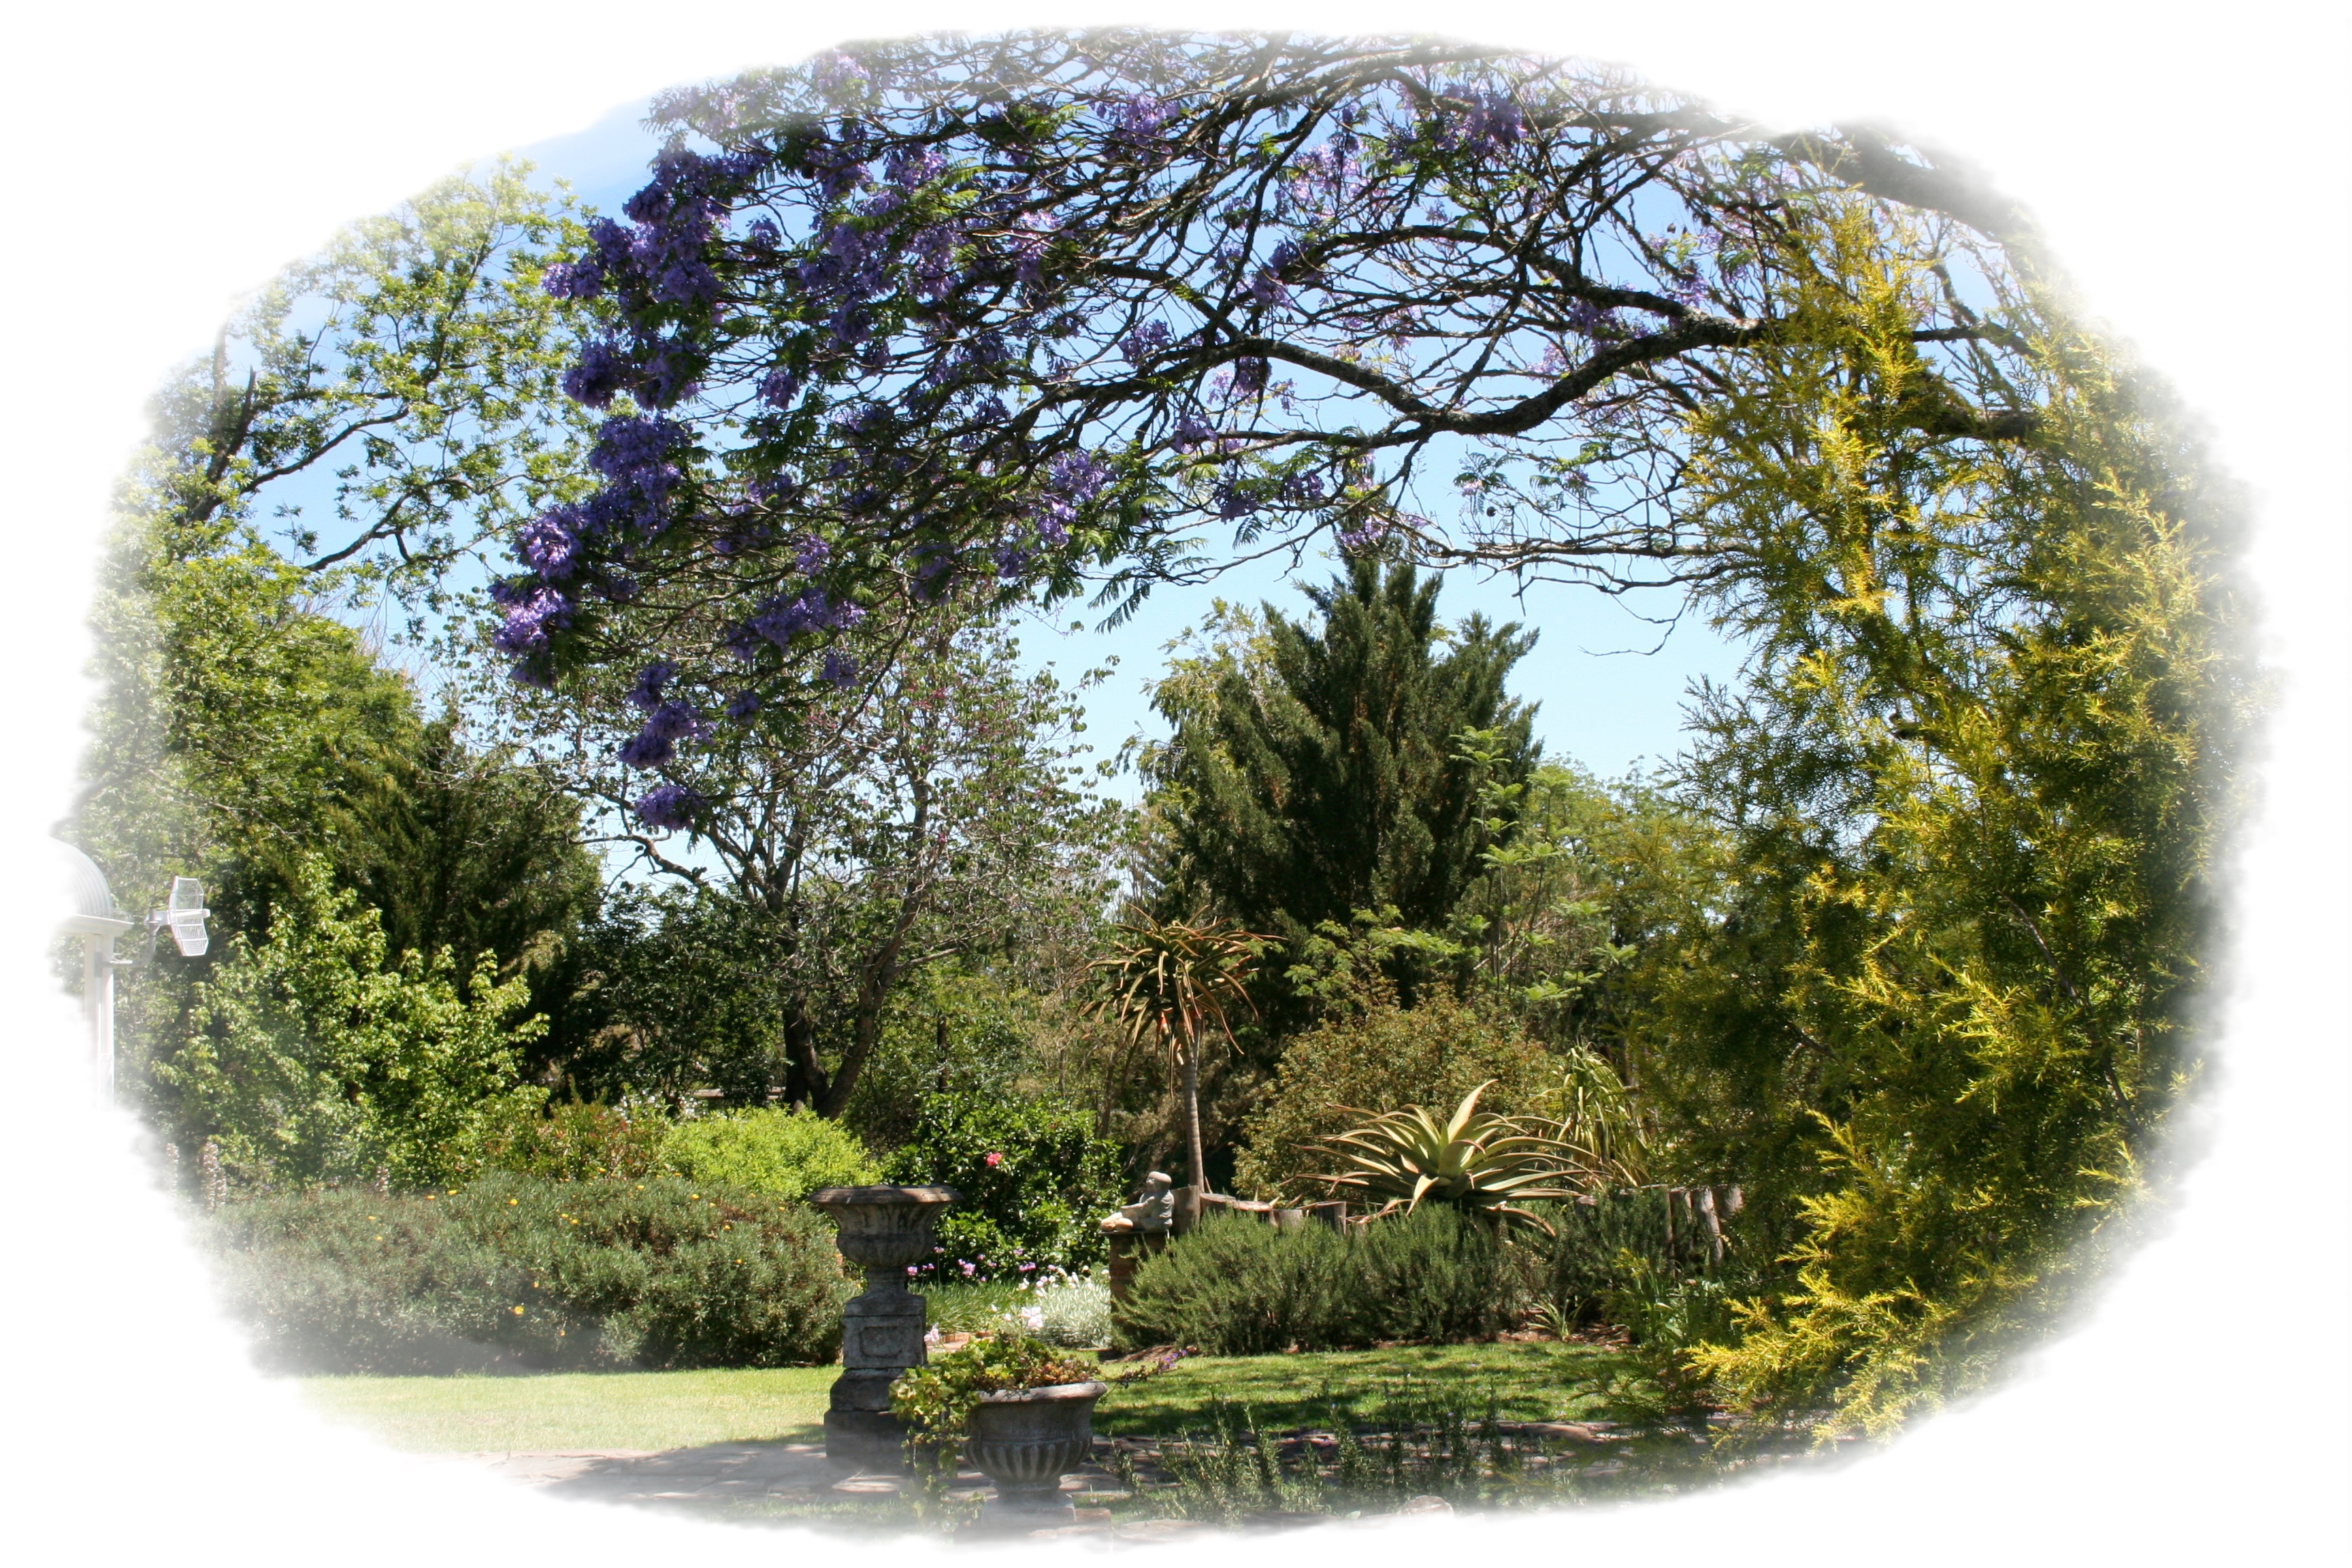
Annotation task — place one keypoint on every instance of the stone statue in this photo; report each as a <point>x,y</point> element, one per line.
<point>1153,1210</point>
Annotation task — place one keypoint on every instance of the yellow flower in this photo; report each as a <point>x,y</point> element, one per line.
<point>517,1311</point>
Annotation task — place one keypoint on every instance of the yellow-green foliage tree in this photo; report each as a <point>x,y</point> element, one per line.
<point>1977,784</point>
<point>315,1057</point>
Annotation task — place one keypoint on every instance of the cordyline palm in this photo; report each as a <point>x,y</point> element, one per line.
<point>1171,980</point>
<point>1482,1164</point>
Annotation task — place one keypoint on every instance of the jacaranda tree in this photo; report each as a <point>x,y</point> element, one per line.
<point>1020,309</point>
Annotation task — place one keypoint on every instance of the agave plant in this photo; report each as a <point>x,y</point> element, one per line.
<point>1482,1164</point>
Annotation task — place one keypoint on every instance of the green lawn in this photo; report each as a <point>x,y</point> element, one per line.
<point>658,1410</point>
<point>1543,1381</point>
<point>553,1412</point>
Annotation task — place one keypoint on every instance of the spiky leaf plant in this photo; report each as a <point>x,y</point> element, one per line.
<point>1484,1164</point>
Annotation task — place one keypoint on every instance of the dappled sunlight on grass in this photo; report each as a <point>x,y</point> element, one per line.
<point>648,1411</point>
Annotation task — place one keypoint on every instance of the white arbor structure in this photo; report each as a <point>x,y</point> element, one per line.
<point>86,909</point>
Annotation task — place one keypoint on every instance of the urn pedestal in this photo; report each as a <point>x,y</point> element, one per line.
<point>882,1230</point>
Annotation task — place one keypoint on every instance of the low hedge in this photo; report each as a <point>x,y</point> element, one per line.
<point>517,1274</point>
<point>1238,1287</point>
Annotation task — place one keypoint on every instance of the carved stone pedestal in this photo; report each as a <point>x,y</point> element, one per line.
<point>883,1230</point>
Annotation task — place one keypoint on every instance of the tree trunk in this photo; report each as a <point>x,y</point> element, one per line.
<point>805,1076</point>
<point>1192,1112</point>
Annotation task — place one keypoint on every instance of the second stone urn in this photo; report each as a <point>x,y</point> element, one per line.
<point>883,1230</point>
<point>1025,1439</point>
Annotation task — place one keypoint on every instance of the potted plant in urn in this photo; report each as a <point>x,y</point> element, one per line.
<point>1023,1414</point>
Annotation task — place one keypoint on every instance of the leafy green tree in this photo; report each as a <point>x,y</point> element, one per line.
<point>472,850</point>
<point>241,728</point>
<point>918,802</point>
<point>419,353</point>
<point>1325,771</point>
<point>315,1056</point>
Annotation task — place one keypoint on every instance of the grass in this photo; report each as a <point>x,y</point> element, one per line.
<point>554,1412</point>
<point>653,1411</point>
<point>1530,1382</point>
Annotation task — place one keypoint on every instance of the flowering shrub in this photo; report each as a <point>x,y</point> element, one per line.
<point>1034,1182</point>
<point>515,1274</point>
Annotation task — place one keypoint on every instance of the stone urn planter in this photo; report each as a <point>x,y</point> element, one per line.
<point>882,1230</point>
<point>1027,1440</point>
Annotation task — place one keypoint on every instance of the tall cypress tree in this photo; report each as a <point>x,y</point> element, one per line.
<point>1325,773</point>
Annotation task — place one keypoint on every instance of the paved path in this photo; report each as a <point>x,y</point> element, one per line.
<point>747,1482</point>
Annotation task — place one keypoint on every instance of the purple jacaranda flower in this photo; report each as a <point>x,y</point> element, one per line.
<point>839,669</point>
<point>1268,289</point>
<point>1031,236</point>
<point>779,387</point>
<point>602,370</point>
<point>1192,431</point>
<point>838,77</point>
<point>686,282</point>
<point>1080,475</point>
<point>646,694</point>
<point>810,553</point>
<point>642,750</point>
<point>667,807</point>
<point>666,376</point>
<point>1052,517</point>
<point>1145,340</point>
<point>1249,375</point>
<point>675,720</point>
<point>582,279</point>
<point>1137,120</point>
<point>612,242</point>
<point>764,233</point>
<point>908,167</point>
<point>742,705</point>
<point>1589,317</point>
<point>549,543</point>
<point>634,454</point>
<point>531,615</point>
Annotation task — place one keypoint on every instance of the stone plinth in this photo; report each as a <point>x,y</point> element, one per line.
<point>882,1230</point>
